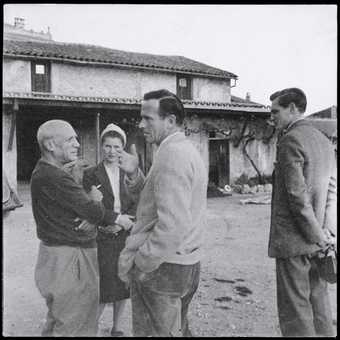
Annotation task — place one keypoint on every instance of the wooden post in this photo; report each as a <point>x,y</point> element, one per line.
<point>12,128</point>
<point>98,138</point>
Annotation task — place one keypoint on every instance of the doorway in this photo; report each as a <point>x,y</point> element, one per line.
<point>219,162</point>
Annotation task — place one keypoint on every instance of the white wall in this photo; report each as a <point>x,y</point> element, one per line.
<point>100,81</point>
<point>107,82</point>
<point>16,75</point>
<point>212,90</point>
<point>9,158</point>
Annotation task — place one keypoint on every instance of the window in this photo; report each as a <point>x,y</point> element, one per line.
<point>41,76</point>
<point>184,87</point>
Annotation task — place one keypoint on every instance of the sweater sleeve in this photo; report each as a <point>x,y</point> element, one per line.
<point>110,216</point>
<point>172,185</point>
<point>72,196</point>
<point>293,159</point>
<point>88,180</point>
<point>134,187</point>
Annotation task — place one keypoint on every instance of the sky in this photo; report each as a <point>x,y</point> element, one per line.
<point>269,47</point>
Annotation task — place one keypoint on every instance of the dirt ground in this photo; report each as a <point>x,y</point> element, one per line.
<point>236,296</point>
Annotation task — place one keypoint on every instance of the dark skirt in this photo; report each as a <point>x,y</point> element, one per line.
<point>112,288</point>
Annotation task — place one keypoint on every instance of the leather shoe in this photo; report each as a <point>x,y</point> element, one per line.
<point>116,333</point>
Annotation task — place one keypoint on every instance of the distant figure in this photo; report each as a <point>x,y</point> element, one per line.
<point>67,269</point>
<point>110,180</point>
<point>303,220</point>
<point>161,259</point>
<point>10,198</point>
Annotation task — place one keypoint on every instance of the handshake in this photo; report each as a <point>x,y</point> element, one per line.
<point>125,222</point>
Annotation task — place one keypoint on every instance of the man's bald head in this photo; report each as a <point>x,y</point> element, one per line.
<point>58,142</point>
<point>51,130</point>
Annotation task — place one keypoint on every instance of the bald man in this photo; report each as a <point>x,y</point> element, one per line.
<point>66,271</point>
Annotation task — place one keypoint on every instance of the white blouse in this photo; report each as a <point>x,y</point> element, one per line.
<point>114,177</point>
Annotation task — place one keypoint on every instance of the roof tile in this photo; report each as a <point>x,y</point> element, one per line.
<point>92,53</point>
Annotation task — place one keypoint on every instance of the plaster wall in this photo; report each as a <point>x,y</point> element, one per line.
<point>212,90</point>
<point>9,157</point>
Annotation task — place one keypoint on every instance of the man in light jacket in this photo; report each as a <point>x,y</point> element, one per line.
<point>161,259</point>
<point>303,218</point>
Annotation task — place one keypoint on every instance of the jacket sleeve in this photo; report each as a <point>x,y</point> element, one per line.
<point>134,187</point>
<point>292,159</point>
<point>172,187</point>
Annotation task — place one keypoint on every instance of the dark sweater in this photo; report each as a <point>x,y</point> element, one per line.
<point>57,200</point>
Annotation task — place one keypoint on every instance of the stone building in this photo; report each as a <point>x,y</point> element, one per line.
<point>91,86</point>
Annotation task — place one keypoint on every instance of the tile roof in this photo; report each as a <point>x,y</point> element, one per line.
<point>327,125</point>
<point>96,54</point>
<point>238,100</point>
<point>330,112</point>
<point>246,106</point>
<point>188,104</point>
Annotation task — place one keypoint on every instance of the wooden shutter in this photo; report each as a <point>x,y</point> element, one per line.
<point>41,76</point>
<point>184,87</point>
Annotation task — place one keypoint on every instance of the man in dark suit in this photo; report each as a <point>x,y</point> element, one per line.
<point>303,217</point>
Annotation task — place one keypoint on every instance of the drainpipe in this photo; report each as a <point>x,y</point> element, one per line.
<point>98,138</point>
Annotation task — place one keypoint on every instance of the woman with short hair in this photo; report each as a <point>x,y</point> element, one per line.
<point>109,179</point>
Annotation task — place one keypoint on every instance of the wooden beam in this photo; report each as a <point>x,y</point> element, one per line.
<point>13,123</point>
<point>35,102</point>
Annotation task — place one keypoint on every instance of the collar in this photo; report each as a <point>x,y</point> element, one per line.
<point>289,126</point>
<point>167,139</point>
<point>109,168</point>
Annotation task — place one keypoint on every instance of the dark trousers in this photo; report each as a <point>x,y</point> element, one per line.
<point>160,300</point>
<point>302,298</point>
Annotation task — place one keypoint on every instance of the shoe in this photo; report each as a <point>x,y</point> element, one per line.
<point>116,333</point>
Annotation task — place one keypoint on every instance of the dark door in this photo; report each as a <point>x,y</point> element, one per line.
<point>219,162</point>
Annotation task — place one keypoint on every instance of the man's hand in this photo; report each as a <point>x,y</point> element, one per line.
<point>129,162</point>
<point>125,221</point>
<point>86,226</point>
<point>95,194</point>
<point>330,238</point>
<point>111,229</point>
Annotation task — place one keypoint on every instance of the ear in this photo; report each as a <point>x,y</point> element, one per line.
<point>292,108</point>
<point>172,119</point>
<point>49,144</point>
